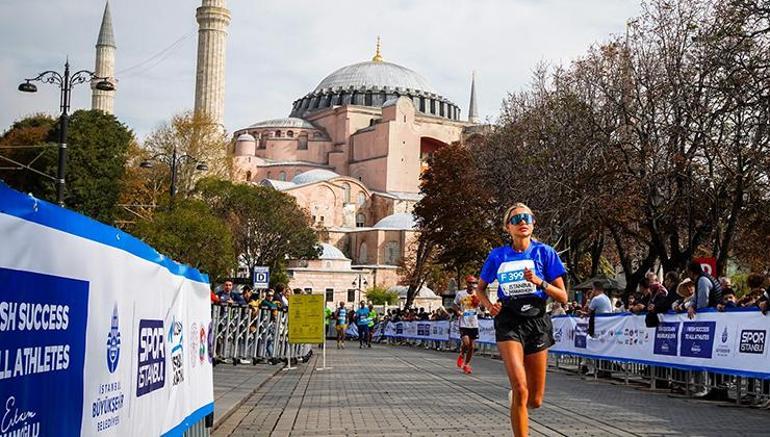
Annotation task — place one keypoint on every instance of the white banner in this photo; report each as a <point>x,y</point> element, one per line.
<point>100,335</point>
<point>731,342</point>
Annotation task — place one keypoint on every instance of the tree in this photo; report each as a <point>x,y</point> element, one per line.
<point>196,136</point>
<point>381,296</point>
<point>192,234</point>
<point>457,211</point>
<point>29,141</point>
<point>97,152</point>
<point>268,226</point>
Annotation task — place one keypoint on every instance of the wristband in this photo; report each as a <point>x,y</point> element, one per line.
<point>543,286</point>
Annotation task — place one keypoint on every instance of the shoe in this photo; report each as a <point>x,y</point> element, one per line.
<point>369,346</point>
<point>460,361</point>
<point>467,369</point>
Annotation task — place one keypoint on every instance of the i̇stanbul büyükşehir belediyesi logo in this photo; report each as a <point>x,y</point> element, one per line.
<point>113,342</point>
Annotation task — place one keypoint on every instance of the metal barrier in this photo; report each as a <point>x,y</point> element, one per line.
<point>250,335</point>
<point>711,385</point>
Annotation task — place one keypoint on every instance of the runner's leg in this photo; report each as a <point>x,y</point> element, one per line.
<point>469,350</point>
<point>512,353</point>
<point>536,366</point>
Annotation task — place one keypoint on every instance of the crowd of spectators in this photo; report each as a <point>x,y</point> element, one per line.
<point>694,290</point>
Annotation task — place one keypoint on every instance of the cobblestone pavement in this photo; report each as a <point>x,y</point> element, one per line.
<point>401,391</point>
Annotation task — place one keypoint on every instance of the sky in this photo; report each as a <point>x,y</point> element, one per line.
<point>279,50</point>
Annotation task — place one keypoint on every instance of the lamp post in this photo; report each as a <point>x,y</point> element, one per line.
<point>357,283</point>
<point>173,160</point>
<point>65,82</point>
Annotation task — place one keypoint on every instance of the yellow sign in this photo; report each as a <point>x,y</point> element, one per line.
<point>306,319</point>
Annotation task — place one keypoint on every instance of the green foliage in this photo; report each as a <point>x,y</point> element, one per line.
<point>381,296</point>
<point>16,144</point>
<point>267,226</point>
<point>97,149</point>
<point>95,165</point>
<point>192,234</point>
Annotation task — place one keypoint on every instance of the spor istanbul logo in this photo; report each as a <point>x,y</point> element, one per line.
<point>113,342</point>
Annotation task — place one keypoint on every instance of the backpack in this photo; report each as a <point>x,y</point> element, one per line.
<point>715,295</point>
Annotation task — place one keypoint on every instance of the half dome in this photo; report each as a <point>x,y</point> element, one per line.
<point>314,176</point>
<point>401,221</point>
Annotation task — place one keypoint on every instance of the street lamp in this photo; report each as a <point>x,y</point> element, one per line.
<point>173,161</point>
<point>357,283</point>
<point>65,82</point>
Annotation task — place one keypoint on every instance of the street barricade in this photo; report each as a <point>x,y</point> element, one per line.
<point>248,335</point>
<point>717,352</point>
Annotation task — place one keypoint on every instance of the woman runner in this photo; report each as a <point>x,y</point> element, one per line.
<point>528,272</point>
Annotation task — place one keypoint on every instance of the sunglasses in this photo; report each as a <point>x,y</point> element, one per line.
<point>523,216</point>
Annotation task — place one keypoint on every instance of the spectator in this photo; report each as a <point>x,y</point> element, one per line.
<point>600,302</point>
<point>247,296</point>
<point>684,291</point>
<point>708,292</point>
<point>643,298</point>
<point>557,309</point>
<point>619,307</point>
<point>728,300</point>
<point>226,294</point>
<point>671,281</point>
<point>757,294</point>
<point>422,316</point>
<point>282,294</point>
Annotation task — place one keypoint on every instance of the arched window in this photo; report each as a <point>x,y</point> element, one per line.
<point>362,255</point>
<point>391,252</point>
<point>268,175</point>
<point>302,142</point>
<point>361,198</point>
<point>290,133</point>
<point>282,176</point>
<point>248,175</point>
<point>278,134</point>
<point>346,188</point>
<point>360,220</point>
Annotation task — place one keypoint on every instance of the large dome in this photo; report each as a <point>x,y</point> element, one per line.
<point>372,83</point>
<point>374,74</point>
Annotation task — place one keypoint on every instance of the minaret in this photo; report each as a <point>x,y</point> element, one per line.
<point>473,111</point>
<point>105,65</point>
<point>213,19</point>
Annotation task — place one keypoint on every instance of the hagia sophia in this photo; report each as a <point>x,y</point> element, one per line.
<point>350,152</point>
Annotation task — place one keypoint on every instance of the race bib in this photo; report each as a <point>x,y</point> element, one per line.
<point>510,276</point>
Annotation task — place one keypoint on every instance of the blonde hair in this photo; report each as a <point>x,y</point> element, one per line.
<point>507,215</point>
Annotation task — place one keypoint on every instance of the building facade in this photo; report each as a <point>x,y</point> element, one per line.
<point>351,152</point>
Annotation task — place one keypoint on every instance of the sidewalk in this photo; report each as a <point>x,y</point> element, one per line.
<point>234,384</point>
<point>402,391</point>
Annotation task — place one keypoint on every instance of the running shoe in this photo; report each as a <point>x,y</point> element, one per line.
<point>460,361</point>
<point>467,369</point>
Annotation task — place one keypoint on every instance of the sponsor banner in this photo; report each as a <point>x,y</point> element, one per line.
<point>442,330</point>
<point>118,330</point>
<point>729,342</point>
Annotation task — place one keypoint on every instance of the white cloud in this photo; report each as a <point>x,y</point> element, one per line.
<point>279,50</point>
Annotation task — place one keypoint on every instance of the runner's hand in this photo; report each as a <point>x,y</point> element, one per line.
<point>495,309</point>
<point>530,276</point>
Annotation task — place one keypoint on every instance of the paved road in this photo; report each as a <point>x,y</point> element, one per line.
<point>401,391</point>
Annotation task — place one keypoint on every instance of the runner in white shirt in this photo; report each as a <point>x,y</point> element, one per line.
<point>466,304</point>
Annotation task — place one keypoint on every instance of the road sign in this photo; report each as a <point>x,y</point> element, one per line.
<point>306,318</point>
<point>261,277</point>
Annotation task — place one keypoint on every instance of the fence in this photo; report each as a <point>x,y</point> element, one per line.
<point>248,335</point>
<point>722,354</point>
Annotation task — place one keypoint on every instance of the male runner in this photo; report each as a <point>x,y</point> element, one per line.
<point>466,305</point>
<point>341,316</point>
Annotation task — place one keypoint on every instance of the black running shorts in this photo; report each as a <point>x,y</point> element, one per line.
<point>472,333</point>
<point>534,334</point>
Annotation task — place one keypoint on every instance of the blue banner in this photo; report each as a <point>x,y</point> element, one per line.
<point>42,347</point>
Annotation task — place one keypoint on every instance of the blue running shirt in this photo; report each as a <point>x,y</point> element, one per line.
<point>507,267</point>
